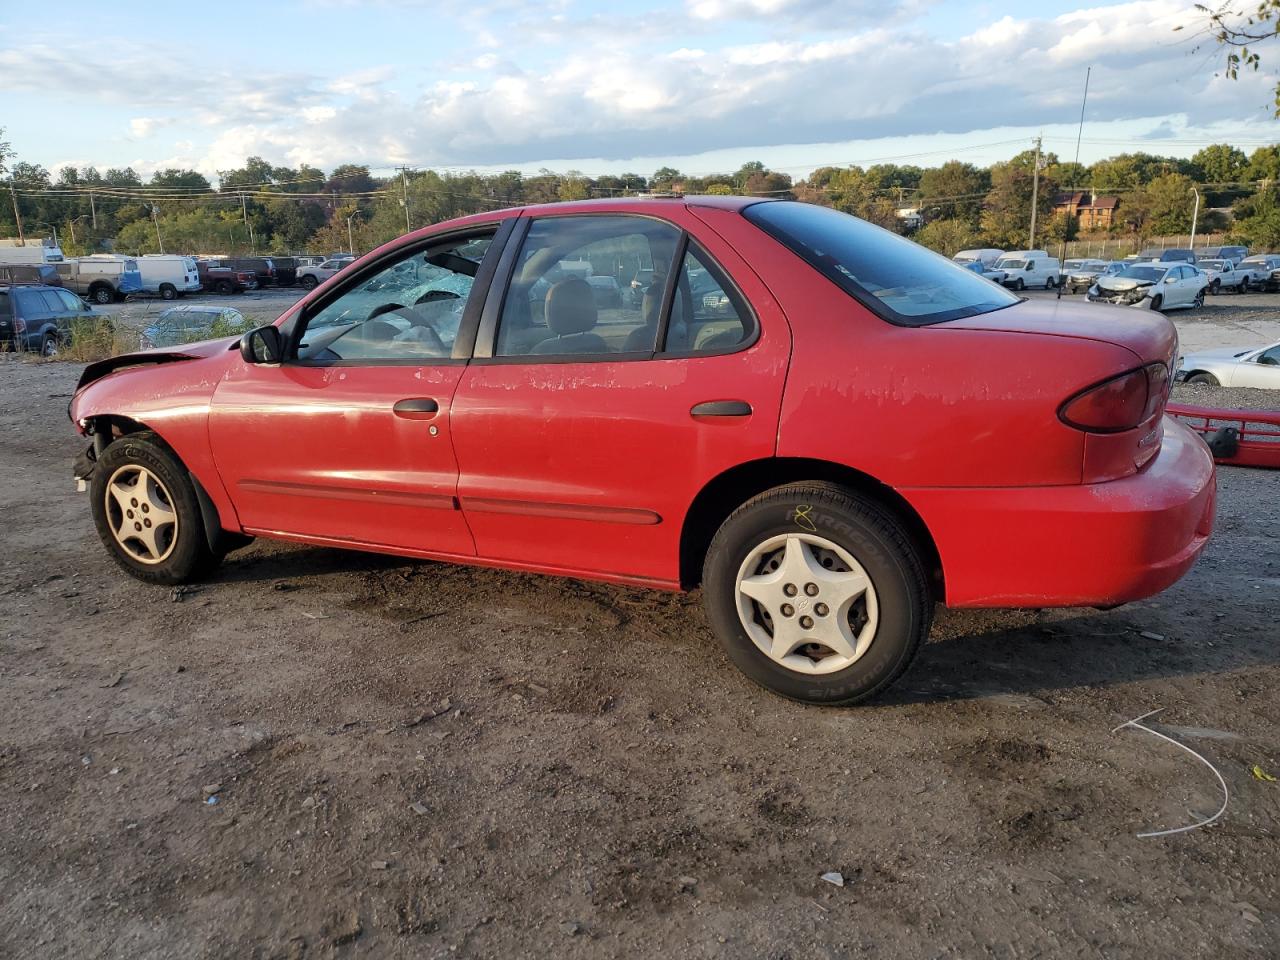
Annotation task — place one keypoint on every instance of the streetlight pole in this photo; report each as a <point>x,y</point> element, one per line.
<point>1195,215</point>
<point>404,183</point>
<point>350,242</point>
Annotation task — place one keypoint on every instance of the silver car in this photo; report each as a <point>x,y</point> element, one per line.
<point>1233,367</point>
<point>312,277</point>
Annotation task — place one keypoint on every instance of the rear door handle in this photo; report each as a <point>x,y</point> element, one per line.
<point>416,408</point>
<point>721,408</point>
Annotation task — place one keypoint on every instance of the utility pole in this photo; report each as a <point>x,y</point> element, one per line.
<point>13,194</point>
<point>1035,195</point>
<point>155,218</point>
<point>404,182</point>
<point>244,211</point>
<point>1195,215</point>
<point>93,210</point>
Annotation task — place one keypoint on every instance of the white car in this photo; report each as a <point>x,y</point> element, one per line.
<point>1153,286</point>
<point>1223,275</point>
<point>1233,367</point>
<point>312,277</point>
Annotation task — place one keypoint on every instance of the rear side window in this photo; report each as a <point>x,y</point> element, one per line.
<point>708,315</point>
<point>898,280</point>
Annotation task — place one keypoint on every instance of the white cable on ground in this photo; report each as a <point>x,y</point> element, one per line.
<point>1226,795</point>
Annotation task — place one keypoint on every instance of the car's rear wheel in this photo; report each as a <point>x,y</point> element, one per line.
<point>1244,285</point>
<point>49,346</point>
<point>817,594</point>
<point>224,286</point>
<point>146,512</point>
<point>102,294</point>
<point>1208,379</point>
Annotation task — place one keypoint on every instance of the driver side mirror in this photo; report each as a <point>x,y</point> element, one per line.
<point>1170,279</point>
<point>262,345</point>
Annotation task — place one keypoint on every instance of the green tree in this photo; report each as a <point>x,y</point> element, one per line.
<point>1264,164</point>
<point>947,237</point>
<point>953,191</point>
<point>1257,219</point>
<point>173,177</point>
<point>1220,162</point>
<point>1006,218</point>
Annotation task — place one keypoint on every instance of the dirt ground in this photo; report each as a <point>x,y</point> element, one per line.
<point>417,760</point>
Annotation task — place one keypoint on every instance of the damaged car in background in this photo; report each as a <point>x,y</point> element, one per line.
<point>825,426</point>
<point>1153,286</point>
<point>1080,275</point>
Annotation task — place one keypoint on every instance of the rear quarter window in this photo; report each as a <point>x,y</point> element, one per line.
<point>895,278</point>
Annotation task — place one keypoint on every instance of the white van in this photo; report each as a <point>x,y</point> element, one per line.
<point>1029,268</point>
<point>169,275</point>
<point>13,250</point>
<point>987,256</point>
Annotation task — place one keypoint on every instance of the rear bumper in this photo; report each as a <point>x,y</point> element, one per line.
<point>1094,545</point>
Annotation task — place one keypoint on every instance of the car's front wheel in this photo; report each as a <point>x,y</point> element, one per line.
<point>1198,301</point>
<point>1050,283</point>
<point>1208,379</point>
<point>817,593</point>
<point>1157,302</point>
<point>1019,284</point>
<point>1216,287</point>
<point>309,282</point>
<point>146,512</point>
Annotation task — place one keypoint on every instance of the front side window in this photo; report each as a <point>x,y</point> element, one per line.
<point>892,276</point>
<point>70,302</point>
<point>409,310</point>
<point>587,286</point>
<point>1270,357</point>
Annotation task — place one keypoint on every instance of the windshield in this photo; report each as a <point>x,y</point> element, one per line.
<point>1151,274</point>
<point>1010,264</point>
<point>1212,264</point>
<point>897,279</point>
<point>1075,264</point>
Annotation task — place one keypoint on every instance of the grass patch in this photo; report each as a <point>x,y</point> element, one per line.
<point>98,338</point>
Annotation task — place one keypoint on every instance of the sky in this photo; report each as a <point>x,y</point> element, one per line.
<point>612,86</point>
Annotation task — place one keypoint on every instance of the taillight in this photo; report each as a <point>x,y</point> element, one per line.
<point>1120,403</point>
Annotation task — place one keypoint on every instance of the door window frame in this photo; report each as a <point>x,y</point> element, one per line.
<point>293,328</point>
<point>486,335</point>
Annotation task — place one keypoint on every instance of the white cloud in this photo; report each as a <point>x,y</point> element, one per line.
<point>540,91</point>
<point>142,127</point>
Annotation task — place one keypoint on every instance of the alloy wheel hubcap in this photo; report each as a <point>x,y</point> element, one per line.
<point>806,603</point>
<point>141,514</point>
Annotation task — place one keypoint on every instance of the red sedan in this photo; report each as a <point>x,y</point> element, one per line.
<point>824,425</point>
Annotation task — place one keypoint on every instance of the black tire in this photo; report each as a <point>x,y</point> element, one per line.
<point>1050,283</point>
<point>1244,285</point>
<point>1198,302</point>
<point>224,287</point>
<point>1157,301</point>
<point>870,534</point>
<point>102,294</point>
<point>189,556</point>
<point>168,291</point>
<point>309,282</point>
<point>1208,379</point>
<point>49,345</point>
<point>1216,287</point>
<point>1019,284</point>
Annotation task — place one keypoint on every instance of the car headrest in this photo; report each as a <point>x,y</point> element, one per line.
<point>570,307</point>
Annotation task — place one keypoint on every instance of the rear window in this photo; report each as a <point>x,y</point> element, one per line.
<point>895,278</point>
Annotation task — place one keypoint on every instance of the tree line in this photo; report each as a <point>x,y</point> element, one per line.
<point>264,208</point>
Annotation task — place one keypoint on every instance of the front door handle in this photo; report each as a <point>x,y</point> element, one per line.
<point>721,408</point>
<point>416,408</point>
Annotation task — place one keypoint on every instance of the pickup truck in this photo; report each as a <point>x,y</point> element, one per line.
<point>1264,270</point>
<point>217,275</point>
<point>1223,275</point>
